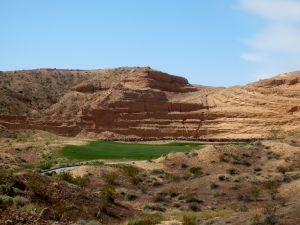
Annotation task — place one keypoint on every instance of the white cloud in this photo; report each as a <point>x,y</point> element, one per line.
<point>277,10</point>
<point>282,38</point>
<point>253,57</point>
<point>277,46</point>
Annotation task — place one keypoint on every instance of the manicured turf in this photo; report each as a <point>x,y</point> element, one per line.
<point>116,150</point>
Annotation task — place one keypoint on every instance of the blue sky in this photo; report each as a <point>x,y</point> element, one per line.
<point>211,42</point>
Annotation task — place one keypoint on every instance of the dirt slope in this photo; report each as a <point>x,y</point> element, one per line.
<point>141,102</point>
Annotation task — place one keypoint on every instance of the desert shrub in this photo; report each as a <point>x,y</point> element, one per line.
<point>189,220</point>
<point>287,178</point>
<point>255,192</point>
<point>257,169</point>
<point>268,217</point>
<point>160,197</point>
<point>130,197</point>
<point>223,178</point>
<point>157,172</point>
<point>37,189</point>
<point>184,166</point>
<point>272,186</point>
<point>45,165</point>
<point>283,169</point>
<point>136,180</point>
<point>233,171</point>
<point>274,133</point>
<point>197,171</point>
<point>241,162</point>
<point>244,209</point>
<point>244,198</point>
<point>234,159</point>
<point>20,201</point>
<point>194,207</point>
<point>224,157</point>
<point>107,197</point>
<point>173,192</point>
<point>273,155</point>
<point>131,171</point>
<point>192,198</point>
<point>4,173</point>
<point>80,181</point>
<point>155,207</point>
<point>214,186</point>
<point>148,219</point>
<point>110,177</point>
<point>187,176</point>
<point>5,201</point>
<point>172,177</point>
<point>9,184</point>
<point>296,176</point>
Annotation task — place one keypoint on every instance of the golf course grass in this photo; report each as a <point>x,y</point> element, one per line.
<point>117,150</point>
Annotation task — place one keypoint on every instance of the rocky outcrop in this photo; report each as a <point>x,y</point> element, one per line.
<point>141,102</point>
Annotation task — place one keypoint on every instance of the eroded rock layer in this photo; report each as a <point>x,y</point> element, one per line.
<point>141,102</point>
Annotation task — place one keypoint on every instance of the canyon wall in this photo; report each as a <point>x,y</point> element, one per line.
<point>141,102</point>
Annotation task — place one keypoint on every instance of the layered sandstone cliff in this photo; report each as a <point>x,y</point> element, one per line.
<point>141,102</point>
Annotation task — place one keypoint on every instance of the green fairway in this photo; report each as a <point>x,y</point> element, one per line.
<point>116,150</point>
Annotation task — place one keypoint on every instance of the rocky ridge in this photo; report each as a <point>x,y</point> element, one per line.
<point>141,102</point>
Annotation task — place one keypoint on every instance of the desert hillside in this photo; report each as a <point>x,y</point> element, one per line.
<point>142,102</point>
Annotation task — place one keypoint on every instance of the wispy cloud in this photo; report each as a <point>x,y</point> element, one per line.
<point>253,57</point>
<point>277,46</point>
<point>276,10</point>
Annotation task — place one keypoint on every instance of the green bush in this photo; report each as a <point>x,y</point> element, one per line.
<point>131,171</point>
<point>148,219</point>
<point>189,220</point>
<point>192,198</point>
<point>5,201</point>
<point>80,181</point>
<point>9,184</point>
<point>110,177</point>
<point>45,165</point>
<point>4,173</point>
<point>197,171</point>
<point>272,184</point>
<point>268,217</point>
<point>107,197</point>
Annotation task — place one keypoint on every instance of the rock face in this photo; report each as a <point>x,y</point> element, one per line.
<point>141,102</point>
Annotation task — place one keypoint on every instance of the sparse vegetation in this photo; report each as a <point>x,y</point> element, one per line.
<point>255,192</point>
<point>268,217</point>
<point>110,177</point>
<point>44,165</point>
<point>189,220</point>
<point>80,181</point>
<point>147,219</point>
<point>283,169</point>
<point>274,133</point>
<point>197,171</point>
<point>107,196</point>
<point>5,201</point>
